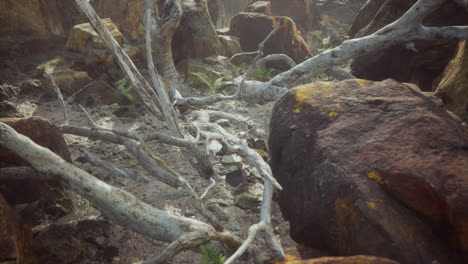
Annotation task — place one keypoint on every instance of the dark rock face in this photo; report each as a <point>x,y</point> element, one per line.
<point>33,26</point>
<point>303,12</point>
<point>398,62</point>
<point>45,134</point>
<point>252,28</point>
<point>196,35</point>
<point>372,168</point>
<point>343,10</point>
<point>15,237</point>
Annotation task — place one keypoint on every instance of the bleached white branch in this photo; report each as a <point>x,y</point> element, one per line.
<point>118,205</point>
<point>60,97</point>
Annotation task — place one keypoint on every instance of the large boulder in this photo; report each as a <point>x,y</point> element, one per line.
<point>45,134</point>
<point>32,26</point>
<point>252,28</point>
<point>372,168</point>
<point>303,12</point>
<point>128,13</point>
<point>341,260</point>
<point>196,35</point>
<point>15,237</point>
<point>343,10</point>
<point>453,86</point>
<point>399,62</point>
<point>83,37</point>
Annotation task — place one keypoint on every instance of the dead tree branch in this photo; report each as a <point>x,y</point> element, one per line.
<point>143,89</point>
<point>118,205</point>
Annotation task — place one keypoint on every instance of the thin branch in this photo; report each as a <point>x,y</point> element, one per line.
<point>131,145</point>
<point>213,183</point>
<point>114,171</point>
<point>245,245</point>
<point>60,97</point>
<point>143,89</point>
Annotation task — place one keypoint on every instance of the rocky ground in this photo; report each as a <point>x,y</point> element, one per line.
<point>237,208</point>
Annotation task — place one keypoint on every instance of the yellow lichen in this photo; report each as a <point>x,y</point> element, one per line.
<point>332,114</point>
<point>362,82</point>
<point>372,205</point>
<point>377,177</point>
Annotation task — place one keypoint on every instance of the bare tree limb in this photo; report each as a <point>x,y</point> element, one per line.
<point>118,205</point>
<point>114,171</point>
<point>133,147</point>
<point>143,89</point>
<point>60,98</point>
<point>405,29</point>
<point>22,173</point>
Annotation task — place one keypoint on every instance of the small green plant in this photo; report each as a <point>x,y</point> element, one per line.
<point>263,73</point>
<point>211,255</point>
<point>125,90</point>
<point>207,81</point>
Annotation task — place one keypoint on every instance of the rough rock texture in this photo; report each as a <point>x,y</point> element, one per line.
<point>127,13</point>
<point>32,26</point>
<point>399,62</point>
<point>231,45</point>
<point>343,10</point>
<point>67,79</point>
<point>196,35</point>
<point>15,237</point>
<point>304,12</point>
<point>213,7</point>
<point>342,260</point>
<point>252,28</point>
<point>372,168</point>
<point>82,36</point>
<point>453,86</point>
<point>263,7</point>
<point>82,242</point>
<point>43,133</point>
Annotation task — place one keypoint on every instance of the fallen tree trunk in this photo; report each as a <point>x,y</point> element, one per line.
<point>118,205</point>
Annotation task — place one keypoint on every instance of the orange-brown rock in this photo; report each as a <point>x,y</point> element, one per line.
<point>15,237</point>
<point>340,260</point>
<point>252,28</point>
<point>453,86</point>
<point>43,133</point>
<point>372,168</point>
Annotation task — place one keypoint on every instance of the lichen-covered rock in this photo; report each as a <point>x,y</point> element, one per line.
<point>372,168</point>
<point>453,86</point>
<point>252,28</point>
<point>83,37</point>
<point>399,62</point>
<point>339,260</point>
